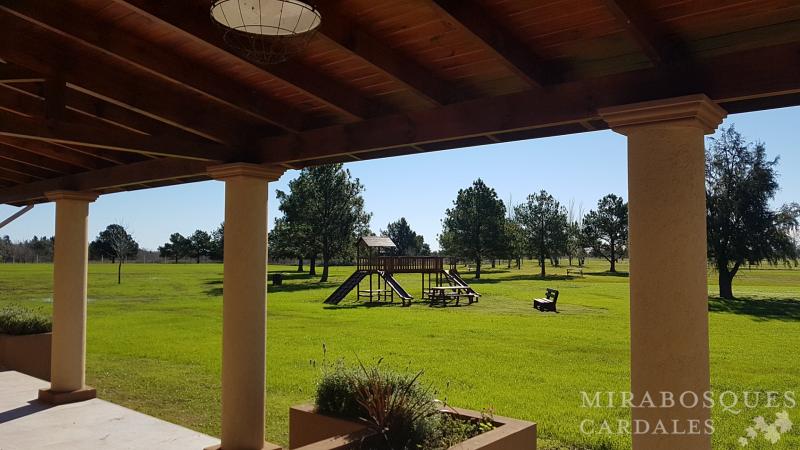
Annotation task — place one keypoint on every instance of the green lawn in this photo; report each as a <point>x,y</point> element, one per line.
<point>154,343</point>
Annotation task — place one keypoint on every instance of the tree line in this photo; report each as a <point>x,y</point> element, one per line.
<point>34,250</point>
<point>198,245</point>
<point>479,227</point>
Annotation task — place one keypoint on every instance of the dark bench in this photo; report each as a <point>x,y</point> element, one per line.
<point>548,303</point>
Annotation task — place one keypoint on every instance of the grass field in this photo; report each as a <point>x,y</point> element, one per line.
<point>154,344</point>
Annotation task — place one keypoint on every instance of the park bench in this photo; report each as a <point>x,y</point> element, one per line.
<point>548,303</point>
<point>579,271</point>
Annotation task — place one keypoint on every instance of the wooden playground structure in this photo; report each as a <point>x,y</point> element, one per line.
<point>444,284</point>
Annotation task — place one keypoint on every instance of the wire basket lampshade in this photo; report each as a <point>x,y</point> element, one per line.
<point>266,31</point>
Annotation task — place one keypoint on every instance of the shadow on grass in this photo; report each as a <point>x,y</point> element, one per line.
<point>214,292</point>
<point>761,309</point>
<point>608,274</point>
<point>294,287</point>
<point>520,277</point>
<point>359,305</point>
<point>291,287</point>
<point>291,275</point>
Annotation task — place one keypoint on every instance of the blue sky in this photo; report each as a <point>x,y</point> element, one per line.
<point>578,168</point>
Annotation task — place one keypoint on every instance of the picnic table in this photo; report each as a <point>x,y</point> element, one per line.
<point>442,294</point>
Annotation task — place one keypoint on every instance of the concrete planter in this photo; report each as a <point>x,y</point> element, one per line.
<point>29,354</point>
<point>309,430</point>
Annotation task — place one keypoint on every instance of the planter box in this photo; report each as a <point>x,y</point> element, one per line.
<point>29,354</point>
<point>309,430</point>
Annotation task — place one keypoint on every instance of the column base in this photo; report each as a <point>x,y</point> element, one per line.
<point>267,446</point>
<point>60,398</point>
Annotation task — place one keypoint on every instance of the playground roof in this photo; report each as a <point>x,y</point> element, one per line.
<point>111,95</point>
<point>376,242</point>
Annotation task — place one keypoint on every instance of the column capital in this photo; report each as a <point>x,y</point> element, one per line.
<point>225,171</point>
<point>696,111</point>
<point>85,196</point>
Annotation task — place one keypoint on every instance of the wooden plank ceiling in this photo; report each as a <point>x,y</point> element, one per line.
<point>113,95</point>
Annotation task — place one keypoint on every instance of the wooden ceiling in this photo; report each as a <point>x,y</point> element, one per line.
<point>113,95</point>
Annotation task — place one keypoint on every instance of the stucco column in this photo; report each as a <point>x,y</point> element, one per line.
<point>70,265</point>
<point>668,288</point>
<point>244,303</point>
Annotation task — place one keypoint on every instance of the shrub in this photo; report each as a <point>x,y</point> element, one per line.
<point>336,394</point>
<point>403,412</point>
<point>18,320</point>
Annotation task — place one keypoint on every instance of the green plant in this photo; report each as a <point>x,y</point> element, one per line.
<point>18,320</point>
<point>402,411</point>
<point>446,430</point>
<point>336,393</point>
<point>396,405</point>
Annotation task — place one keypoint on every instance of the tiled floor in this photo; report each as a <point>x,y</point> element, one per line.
<point>26,424</point>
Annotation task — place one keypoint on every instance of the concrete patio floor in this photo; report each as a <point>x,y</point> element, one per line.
<point>27,424</point>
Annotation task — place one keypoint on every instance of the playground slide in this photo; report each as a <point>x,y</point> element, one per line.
<point>341,292</point>
<point>453,276</point>
<point>395,285</point>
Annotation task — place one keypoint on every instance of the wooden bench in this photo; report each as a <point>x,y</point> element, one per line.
<point>548,303</point>
<point>579,271</point>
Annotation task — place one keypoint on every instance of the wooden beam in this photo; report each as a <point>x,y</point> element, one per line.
<point>32,159</point>
<point>647,34</point>
<point>21,100</point>
<point>110,156</point>
<point>108,179</point>
<point>12,99</point>
<point>16,215</point>
<point>24,169</point>
<point>13,74</point>
<point>55,88</point>
<point>75,24</point>
<point>192,21</point>
<point>108,113</point>
<point>472,19</point>
<point>89,136</point>
<point>554,107</point>
<point>344,34</point>
<point>97,74</point>
<point>15,177</point>
<point>56,152</point>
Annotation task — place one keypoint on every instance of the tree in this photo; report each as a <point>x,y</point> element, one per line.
<point>515,242</point>
<point>42,248</point>
<point>177,247</point>
<point>473,227</point>
<point>293,232</point>
<point>544,221</point>
<point>284,243</point>
<point>606,229</point>
<point>789,223</point>
<point>6,248</point>
<point>740,182</point>
<point>576,241</point>
<point>217,249</point>
<point>200,244</point>
<point>408,242</point>
<point>325,209</point>
<point>116,243</point>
